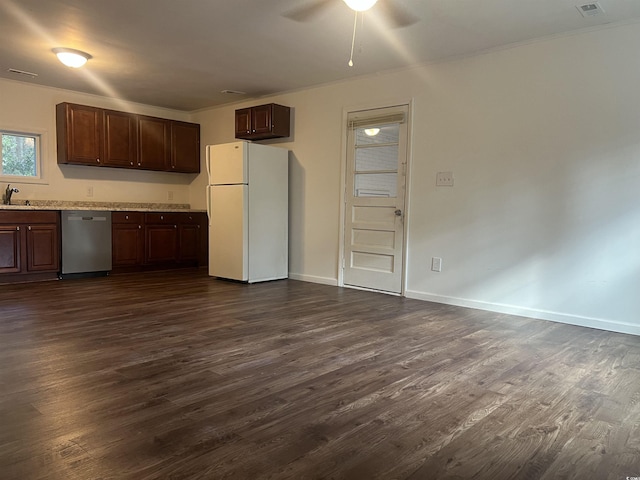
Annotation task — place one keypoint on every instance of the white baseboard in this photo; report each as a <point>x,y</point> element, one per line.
<point>314,279</point>
<point>590,322</point>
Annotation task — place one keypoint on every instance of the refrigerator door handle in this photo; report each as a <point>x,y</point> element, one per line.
<point>209,204</point>
<point>208,163</point>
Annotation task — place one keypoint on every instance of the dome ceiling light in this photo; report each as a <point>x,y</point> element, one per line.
<point>360,5</point>
<point>72,58</point>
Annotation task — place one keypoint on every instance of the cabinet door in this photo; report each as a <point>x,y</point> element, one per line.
<point>79,131</point>
<point>127,243</point>
<point>189,243</point>
<point>10,249</point>
<point>153,143</point>
<point>185,147</point>
<point>161,244</point>
<point>243,123</point>
<point>43,248</point>
<point>120,139</point>
<point>261,119</point>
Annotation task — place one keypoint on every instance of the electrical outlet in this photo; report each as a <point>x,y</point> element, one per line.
<point>170,195</point>
<point>444,179</point>
<point>436,264</point>
<point>89,191</point>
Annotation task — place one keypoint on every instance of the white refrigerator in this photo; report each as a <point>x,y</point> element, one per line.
<point>248,208</point>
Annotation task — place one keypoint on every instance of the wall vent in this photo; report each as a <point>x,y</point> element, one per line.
<point>590,9</point>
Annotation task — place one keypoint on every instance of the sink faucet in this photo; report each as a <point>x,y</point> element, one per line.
<point>6,198</point>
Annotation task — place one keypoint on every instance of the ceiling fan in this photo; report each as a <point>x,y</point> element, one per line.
<point>391,11</point>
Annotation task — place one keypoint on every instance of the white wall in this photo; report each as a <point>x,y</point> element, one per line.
<point>27,107</point>
<point>544,143</point>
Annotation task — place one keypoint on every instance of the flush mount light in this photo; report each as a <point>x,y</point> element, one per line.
<point>71,58</point>
<point>372,132</point>
<point>360,5</point>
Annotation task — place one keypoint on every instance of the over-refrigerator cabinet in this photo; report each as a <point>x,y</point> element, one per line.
<point>248,207</point>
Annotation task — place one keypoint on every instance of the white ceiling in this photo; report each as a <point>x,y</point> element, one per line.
<point>180,54</point>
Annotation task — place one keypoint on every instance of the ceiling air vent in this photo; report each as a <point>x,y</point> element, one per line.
<point>233,92</point>
<point>590,9</point>
<point>22,72</point>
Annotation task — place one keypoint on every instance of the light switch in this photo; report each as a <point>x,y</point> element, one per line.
<point>444,179</point>
<point>436,264</point>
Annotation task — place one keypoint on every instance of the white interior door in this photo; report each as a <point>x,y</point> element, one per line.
<point>375,199</point>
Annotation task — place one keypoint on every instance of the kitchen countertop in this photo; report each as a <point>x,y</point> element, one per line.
<point>106,206</point>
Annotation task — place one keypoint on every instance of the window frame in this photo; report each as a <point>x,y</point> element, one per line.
<point>41,154</point>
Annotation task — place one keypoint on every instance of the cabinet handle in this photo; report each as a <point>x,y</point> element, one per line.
<point>161,217</point>
<point>18,228</point>
<point>98,160</point>
<point>29,227</point>
<point>175,226</point>
<point>131,163</point>
<point>126,217</point>
<point>139,226</point>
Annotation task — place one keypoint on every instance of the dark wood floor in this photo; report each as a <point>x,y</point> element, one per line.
<point>181,376</point>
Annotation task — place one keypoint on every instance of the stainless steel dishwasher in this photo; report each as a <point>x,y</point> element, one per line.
<point>86,243</point>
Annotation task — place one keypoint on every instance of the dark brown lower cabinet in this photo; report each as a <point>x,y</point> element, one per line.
<point>190,238</point>
<point>127,239</point>
<point>43,248</point>
<point>10,249</point>
<point>161,238</point>
<point>153,240</point>
<point>29,245</point>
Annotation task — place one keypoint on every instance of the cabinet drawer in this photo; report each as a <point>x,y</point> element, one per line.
<point>127,217</point>
<point>191,218</point>
<point>40,216</point>
<point>161,218</point>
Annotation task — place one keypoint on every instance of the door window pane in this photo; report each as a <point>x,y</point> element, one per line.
<point>377,158</point>
<point>376,134</point>
<point>376,185</point>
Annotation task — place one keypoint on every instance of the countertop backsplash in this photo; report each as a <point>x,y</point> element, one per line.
<point>107,206</point>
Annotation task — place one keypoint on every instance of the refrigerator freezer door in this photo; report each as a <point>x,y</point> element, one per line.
<point>229,232</point>
<point>227,163</point>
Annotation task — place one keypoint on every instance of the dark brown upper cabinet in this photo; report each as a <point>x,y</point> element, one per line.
<point>120,139</point>
<point>79,132</point>
<point>99,137</point>
<point>263,122</point>
<point>153,143</point>
<point>185,147</point>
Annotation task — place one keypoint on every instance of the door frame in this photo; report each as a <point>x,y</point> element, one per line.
<point>344,145</point>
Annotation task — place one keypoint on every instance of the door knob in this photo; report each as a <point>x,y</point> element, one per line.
<point>398,213</point>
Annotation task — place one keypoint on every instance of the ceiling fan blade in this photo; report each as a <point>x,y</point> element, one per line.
<point>395,14</point>
<point>306,12</point>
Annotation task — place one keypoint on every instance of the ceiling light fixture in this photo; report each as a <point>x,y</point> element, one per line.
<point>360,5</point>
<point>371,132</point>
<point>357,6</point>
<point>71,58</point>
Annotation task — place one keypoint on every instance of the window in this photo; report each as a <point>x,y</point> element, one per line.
<point>376,150</point>
<point>20,156</point>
